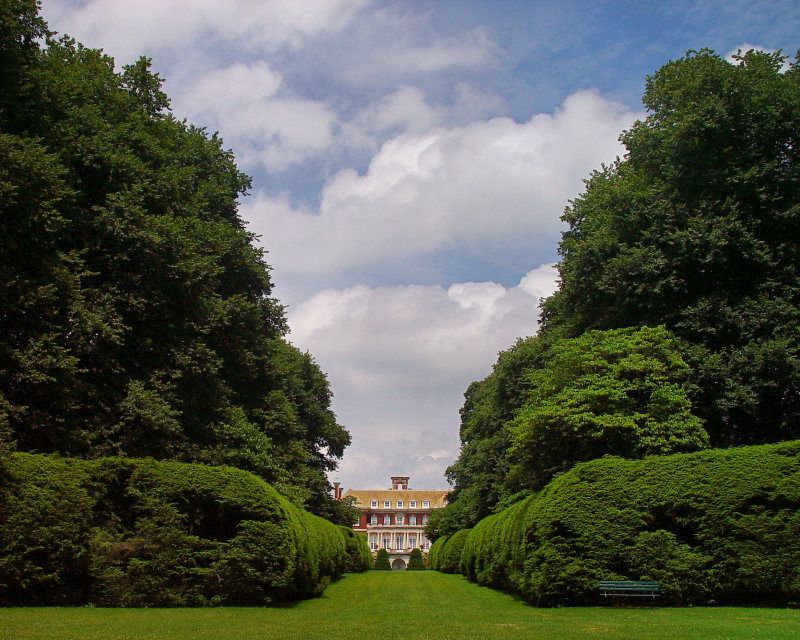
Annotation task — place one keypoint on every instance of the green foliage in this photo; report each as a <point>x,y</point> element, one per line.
<point>128,281</point>
<point>126,532</point>
<point>618,392</point>
<point>551,402</point>
<point>416,562</point>
<point>714,527</point>
<point>382,561</point>
<point>359,557</point>
<point>433,552</point>
<point>446,552</point>
<point>697,229</point>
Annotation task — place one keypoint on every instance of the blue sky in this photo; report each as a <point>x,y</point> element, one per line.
<point>410,162</point>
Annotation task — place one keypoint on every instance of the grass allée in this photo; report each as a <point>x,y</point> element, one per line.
<point>409,606</point>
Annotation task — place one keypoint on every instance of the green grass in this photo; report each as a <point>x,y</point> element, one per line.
<point>407,606</point>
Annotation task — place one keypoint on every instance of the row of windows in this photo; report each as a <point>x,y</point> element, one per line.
<point>412,504</point>
<point>399,519</point>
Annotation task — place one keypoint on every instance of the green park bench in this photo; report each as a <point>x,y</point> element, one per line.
<point>635,588</point>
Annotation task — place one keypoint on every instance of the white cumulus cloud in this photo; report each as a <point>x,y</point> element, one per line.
<point>488,181</point>
<point>128,28</point>
<point>244,102</point>
<point>400,358</point>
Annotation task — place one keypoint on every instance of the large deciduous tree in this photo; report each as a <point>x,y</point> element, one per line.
<point>620,392</point>
<point>136,315</point>
<point>698,228</point>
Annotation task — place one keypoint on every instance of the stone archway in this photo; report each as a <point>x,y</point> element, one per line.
<point>398,565</point>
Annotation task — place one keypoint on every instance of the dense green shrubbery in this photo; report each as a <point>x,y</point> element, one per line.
<point>447,552</point>
<point>715,527</point>
<point>382,561</point>
<point>433,552</point>
<point>124,532</point>
<point>359,557</point>
<point>416,562</point>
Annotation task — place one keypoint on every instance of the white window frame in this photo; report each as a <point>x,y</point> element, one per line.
<point>400,518</point>
<point>387,521</point>
<point>424,520</point>
<point>412,520</point>
<point>399,504</point>
<point>426,504</point>
<point>412,504</point>
<point>373,519</point>
<point>387,504</point>
<point>374,503</point>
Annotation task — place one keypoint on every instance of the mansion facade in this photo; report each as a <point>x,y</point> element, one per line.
<point>394,519</point>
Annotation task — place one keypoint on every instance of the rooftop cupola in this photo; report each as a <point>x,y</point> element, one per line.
<point>400,483</point>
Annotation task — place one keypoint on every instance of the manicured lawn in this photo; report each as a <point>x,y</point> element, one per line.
<point>407,606</point>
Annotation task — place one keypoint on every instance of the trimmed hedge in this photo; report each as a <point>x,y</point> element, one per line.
<point>416,562</point>
<point>131,533</point>
<point>446,552</point>
<point>714,527</point>
<point>359,557</point>
<point>382,561</point>
<point>433,552</point>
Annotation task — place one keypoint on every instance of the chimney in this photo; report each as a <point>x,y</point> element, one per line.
<point>337,489</point>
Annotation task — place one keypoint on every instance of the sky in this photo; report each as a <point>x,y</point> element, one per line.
<point>410,163</point>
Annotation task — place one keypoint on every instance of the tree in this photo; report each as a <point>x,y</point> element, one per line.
<point>697,228</point>
<point>620,392</point>
<point>136,312</point>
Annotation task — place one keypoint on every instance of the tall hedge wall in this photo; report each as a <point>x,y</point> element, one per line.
<point>445,553</point>
<point>123,532</point>
<point>715,527</point>
<point>433,552</point>
<point>359,557</point>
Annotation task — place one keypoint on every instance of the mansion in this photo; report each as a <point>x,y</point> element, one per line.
<point>394,519</point>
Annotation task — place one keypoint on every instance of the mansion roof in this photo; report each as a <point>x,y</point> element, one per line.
<point>363,497</point>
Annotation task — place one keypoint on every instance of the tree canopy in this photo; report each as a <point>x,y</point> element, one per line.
<point>698,228</point>
<point>620,392</point>
<point>136,315</point>
<point>693,239</point>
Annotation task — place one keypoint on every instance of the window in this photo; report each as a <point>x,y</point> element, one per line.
<point>387,521</point>
<point>373,520</point>
<point>412,541</point>
<point>426,504</point>
<point>386,504</point>
<point>399,541</point>
<point>399,504</point>
<point>412,520</point>
<point>413,504</point>
<point>373,545</point>
<point>400,519</point>
<point>424,519</point>
<point>387,541</point>
<point>373,504</point>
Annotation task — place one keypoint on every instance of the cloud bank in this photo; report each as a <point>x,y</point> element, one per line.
<point>400,359</point>
<point>459,187</point>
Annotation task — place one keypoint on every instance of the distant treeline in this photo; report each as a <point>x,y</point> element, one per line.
<point>133,533</point>
<point>676,323</point>
<point>136,316</point>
